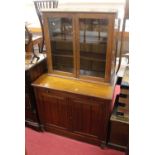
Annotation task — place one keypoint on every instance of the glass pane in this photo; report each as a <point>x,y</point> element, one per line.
<point>93,46</point>
<point>61,38</point>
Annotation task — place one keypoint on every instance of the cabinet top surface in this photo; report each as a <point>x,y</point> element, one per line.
<point>81,10</point>
<point>75,86</point>
<point>28,58</point>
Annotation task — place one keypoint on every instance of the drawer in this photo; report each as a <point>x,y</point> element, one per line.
<point>71,95</point>
<point>52,92</point>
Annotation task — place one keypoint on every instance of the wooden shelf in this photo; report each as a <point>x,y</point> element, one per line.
<point>92,40</point>
<point>63,53</point>
<point>58,55</point>
<point>62,38</point>
<point>91,73</point>
<point>87,40</point>
<point>84,55</point>
<point>92,56</point>
<point>92,59</point>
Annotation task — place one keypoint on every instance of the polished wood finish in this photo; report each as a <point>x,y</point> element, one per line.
<point>49,48</point>
<point>55,109</point>
<point>76,16</point>
<point>32,72</point>
<point>109,57</point>
<point>119,121</point>
<point>119,135</point>
<point>111,18</point>
<point>70,103</point>
<point>82,116</point>
<point>73,85</point>
<point>74,108</point>
<point>88,113</point>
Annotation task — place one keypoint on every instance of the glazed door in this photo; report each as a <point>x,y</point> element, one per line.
<point>93,45</point>
<point>88,118</point>
<point>60,40</point>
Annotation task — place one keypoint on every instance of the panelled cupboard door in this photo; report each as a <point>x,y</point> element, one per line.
<point>54,110</point>
<point>88,117</point>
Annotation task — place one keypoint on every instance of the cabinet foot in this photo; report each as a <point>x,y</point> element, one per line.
<point>42,128</point>
<point>103,145</point>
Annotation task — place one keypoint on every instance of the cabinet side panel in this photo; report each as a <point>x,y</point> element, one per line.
<point>115,48</point>
<point>39,105</point>
<point>110,49</point>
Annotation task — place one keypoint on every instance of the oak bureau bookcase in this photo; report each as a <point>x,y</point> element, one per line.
<point>75,98</point>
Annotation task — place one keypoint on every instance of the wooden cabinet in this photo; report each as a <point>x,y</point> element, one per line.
<point>81,44</point>
<point>119,134</point>
<point>32,72</point>
<point>119,120</point>
<point>75,97</point>
<point>82,111</point>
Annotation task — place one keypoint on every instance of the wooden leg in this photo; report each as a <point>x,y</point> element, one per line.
<point>103,144</point>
